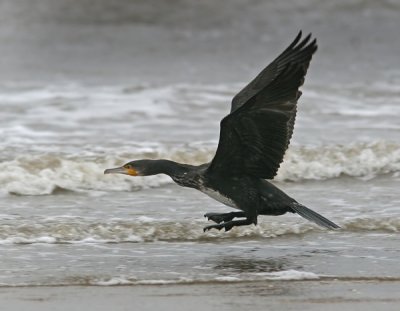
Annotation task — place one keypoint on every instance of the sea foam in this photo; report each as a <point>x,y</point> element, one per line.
<point>84,231</point>
<point>40,174</point>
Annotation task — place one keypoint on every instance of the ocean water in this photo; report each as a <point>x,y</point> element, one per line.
<point>71,107</point>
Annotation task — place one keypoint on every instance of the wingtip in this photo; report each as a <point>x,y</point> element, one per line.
<point>305,42</point>
<point>308,36</point>
<point>295,41</point>
<point>314,45</point>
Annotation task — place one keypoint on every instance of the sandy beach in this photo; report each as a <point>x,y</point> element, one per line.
<point>279,295</point>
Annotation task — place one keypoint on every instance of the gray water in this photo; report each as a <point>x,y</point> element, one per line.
<point>93,85</point>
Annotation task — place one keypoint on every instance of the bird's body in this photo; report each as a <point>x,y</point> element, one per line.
<point>253,141</point>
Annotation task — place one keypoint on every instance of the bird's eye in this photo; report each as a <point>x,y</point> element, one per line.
<point>128,166</point>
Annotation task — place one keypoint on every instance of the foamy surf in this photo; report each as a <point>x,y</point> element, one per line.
<point>285,275</point>
<point>143,231</point>
<point>39,174</point>
<point>126,280</point>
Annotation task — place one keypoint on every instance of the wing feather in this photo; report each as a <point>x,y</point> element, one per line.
<point>291,54</point>
<point>257,132</point>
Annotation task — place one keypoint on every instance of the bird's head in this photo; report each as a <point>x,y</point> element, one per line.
<point>133,168</point>
<point>148,167</point>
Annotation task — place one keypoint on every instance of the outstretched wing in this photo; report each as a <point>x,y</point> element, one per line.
<point>269,73</point>
<point>257,132</point>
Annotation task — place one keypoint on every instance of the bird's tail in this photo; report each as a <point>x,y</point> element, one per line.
<point>310,215</point>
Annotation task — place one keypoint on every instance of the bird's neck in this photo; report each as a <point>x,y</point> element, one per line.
<point>170,168</point>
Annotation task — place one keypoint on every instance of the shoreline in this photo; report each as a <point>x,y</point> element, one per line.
<point>263,295</point>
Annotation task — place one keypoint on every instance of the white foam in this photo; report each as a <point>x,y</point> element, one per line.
<point>86,231</point>
<point>289,275</point>
<point>379,99</point>
<point>44,173</point>
<point>28,240</point>
<point>125,280</point>
<point>386,224</point>
<point>228,279</point>
<point>86,128</point>
<point>112,282</point>
<point>358,160</point>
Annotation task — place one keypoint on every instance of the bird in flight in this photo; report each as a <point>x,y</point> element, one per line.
<point>254,137</point>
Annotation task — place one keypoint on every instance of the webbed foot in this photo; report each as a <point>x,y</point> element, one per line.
<point>215,217</point>
<point>230,224</point>
<point>218,227</point>
<point>223,217</point>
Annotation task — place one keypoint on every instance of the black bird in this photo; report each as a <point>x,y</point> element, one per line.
<point>253,139</point>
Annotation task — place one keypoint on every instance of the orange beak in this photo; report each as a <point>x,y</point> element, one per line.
<point>122,170</point>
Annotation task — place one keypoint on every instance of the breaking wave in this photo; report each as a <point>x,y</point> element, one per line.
<point>48,173</point>
<point>284,275</point>
<point>148,230</point>
<point>127,280</point>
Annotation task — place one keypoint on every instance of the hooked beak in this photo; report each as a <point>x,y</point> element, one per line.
<point>121,170</point>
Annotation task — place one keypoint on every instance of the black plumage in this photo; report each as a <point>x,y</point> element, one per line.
<point>253,139</point>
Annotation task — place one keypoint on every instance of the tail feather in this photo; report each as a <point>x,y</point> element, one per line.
<point>310,215</point>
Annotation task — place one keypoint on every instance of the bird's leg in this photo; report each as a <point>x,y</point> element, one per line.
<point>223,217</point>
<point>232,223</point>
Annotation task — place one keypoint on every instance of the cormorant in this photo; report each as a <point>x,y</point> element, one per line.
<point>253,139</point>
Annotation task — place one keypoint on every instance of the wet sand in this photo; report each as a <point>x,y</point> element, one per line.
<point>278,295</point>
